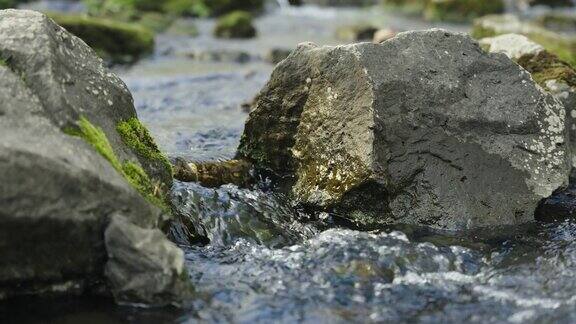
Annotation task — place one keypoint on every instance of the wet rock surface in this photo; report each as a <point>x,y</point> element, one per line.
<point>68,129</point>
<point>418,137</point>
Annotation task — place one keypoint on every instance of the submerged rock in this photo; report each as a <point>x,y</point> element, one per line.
<point>73,154</point>
<point>396,133</point>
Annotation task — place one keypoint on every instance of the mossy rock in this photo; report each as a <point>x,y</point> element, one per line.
<point>114,41</point>
<point>137,137</point>
<point>130,170</point>
<point>237,24</point>
<point>461,10</point>
<point>493,25</point>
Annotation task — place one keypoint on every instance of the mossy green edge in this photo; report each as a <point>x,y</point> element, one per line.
<point>132,172</point>
<point>137,137</point>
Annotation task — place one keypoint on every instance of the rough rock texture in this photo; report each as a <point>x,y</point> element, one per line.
<point>554,75</point>
<point>59,191</point>
<point>143,265</point>
<point>424,128</point>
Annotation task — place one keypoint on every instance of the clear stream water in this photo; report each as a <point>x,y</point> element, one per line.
<point>267,263</point>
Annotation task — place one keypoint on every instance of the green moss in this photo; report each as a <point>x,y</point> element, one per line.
<point>545,66</point>
<point>237,24</point>
<point>132,172</point>
<point>201,8</point>
<point>479,32</point>
<point>117,41</point>
<point>137,137</point>
<point>5,4</point>
<point>461,10</point>
<point>186,8</point>
<point>406,7</point>
<point>565,49</point>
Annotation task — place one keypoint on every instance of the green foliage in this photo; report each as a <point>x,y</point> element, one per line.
<point>5,4</point>
<point>137,137</point>
<point>461,10</point>
<point>133,173</point>
<point>237,24</point>
<point>117,41</point>
<point>447,10</point>
<point>220,7</point>
<point>131,9</point>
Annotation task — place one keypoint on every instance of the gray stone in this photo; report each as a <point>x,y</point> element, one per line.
<point>58,191</point>
<point>425,128</point>
<point>143,265</point>
<point>555,76</point>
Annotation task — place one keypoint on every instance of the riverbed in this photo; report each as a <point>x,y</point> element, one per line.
<point>266,262</point>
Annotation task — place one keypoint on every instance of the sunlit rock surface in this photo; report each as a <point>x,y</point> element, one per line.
<point>425,128</point>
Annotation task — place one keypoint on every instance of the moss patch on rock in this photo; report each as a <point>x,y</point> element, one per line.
<point>197,8</point>
<point>132,172</point>
<point>137,137</point>
<point>237,24</point>
<point>545,66</point>
<point>116,41</point>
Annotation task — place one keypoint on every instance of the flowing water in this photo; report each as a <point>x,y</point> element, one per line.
<point>269,262</point>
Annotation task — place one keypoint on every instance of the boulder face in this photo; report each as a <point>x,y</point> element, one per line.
<point>425,128</point>
<point>72,155</point>
<point>551,73</point>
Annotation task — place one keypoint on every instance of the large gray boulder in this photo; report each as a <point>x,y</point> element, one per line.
<point>425,128</point>
<point>552,74</point>
<point>72,155</point>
